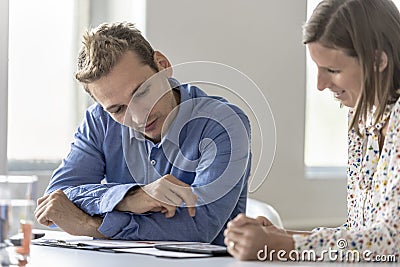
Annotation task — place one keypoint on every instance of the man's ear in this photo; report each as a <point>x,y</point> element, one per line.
<point>383,60</point>
<point>162,63</point>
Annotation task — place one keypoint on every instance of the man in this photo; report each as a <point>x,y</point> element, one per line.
<point>153,159</point>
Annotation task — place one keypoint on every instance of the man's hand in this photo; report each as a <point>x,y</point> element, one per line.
<point>58,209</point>
<point>163,195</point>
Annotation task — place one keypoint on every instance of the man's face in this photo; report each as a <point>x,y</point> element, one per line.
<point>134,97</point>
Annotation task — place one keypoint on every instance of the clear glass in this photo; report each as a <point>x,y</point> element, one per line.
<point>17,204</point>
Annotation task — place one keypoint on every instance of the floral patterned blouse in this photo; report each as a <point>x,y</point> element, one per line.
<point>373,194</point>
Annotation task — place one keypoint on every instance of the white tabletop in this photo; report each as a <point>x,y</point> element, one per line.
<point>62,257</point>
<point>43,256</point>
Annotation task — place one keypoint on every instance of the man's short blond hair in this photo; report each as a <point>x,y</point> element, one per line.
<point>103,47</point>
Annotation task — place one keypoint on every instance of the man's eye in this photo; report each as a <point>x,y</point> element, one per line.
<point>143,91</point>
<point>118,110</point>
<point>333,71</point>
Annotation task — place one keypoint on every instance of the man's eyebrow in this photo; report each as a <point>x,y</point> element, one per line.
<point>118,105</point>
<point>136,88</point>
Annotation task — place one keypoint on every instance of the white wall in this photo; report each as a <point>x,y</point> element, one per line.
<point>261,38</point>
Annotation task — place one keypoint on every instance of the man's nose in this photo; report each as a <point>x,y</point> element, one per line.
<point>138,113</point>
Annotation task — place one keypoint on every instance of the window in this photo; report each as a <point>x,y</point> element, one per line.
<point>41,104</point>
<point>326,124</point>
<point>45,104</point>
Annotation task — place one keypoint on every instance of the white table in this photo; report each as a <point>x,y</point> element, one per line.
<point>43,256</point>
<point>62,257</point>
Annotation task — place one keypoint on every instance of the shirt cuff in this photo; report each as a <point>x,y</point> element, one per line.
<point>113,196</point>
<point>114,222</point>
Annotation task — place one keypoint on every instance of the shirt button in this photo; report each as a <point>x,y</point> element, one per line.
<point>153,162</point>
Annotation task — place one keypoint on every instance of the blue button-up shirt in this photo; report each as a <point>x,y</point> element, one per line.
<point>207,146</point>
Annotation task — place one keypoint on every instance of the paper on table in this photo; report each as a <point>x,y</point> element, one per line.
<point>105,243</point>
<point>162,253</point>
<point>117,243</point>
<point>59,235</point>
<point>63,239</point>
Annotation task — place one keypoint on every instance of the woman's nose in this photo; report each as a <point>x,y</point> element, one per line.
<point>323,81</point>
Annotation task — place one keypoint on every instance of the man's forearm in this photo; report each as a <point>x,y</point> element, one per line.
<point>98,199</point>
<point>92,226</point>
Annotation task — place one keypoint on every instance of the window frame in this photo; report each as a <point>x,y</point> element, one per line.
<point>88,12</point>
<point>82,100</point>
<point>4,13</point>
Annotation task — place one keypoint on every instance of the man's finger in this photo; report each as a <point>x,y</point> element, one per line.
<point>41,208</point>
<point>175,180</point>
<point>170,210</point>
<point>41,199</point>
<point>190,200</point>
<point>173,199</point>
<point>178,200</point>
<point>42,216</point>
<point>184,192</point>
<point>192,211</point>
<point>44,220</point>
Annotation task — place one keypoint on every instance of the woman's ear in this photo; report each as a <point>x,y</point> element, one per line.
<point>383,60</point>
<point>162,63</point>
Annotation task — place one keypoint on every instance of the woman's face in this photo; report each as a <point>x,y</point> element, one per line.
<point>337,72</point>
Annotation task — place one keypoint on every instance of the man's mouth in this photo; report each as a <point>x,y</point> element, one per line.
<point>150,125</point>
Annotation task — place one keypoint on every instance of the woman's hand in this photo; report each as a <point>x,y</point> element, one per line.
<point>250,239</point>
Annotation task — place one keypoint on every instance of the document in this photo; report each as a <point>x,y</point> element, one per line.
<point>101,243</point>
<point>94,244</point>
<point>163,253</point>
<point>64,240</point>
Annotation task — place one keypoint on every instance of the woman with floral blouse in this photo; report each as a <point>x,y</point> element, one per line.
<point>356,47</point>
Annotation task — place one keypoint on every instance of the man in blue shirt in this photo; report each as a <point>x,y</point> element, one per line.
<point>153,159</point>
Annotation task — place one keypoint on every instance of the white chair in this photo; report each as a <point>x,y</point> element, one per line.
<point>258,208</point>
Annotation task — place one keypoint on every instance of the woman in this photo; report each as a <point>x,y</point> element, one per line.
<point>356,47</point>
